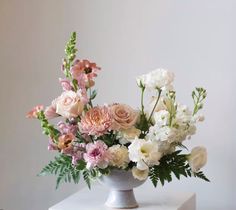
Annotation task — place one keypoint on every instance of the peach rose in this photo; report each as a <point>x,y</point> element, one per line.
<point>69,104</point>
<point>124,116</point>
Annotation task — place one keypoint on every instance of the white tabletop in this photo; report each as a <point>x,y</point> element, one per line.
<point>148,198</point>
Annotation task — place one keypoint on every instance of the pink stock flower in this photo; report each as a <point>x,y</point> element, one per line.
<point>97,121</point>
<point>51,145</point>
<point>84,72</point>
<point>65,83</point>
<point>33,114</point>
<point>97,155</point>
<point>50,111</point>
<point>65,128</point>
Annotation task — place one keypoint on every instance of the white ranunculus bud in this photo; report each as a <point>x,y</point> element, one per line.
<point>198,158</point>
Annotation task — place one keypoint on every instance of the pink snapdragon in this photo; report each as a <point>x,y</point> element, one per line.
<point>97,154</point>
<point>33,114</point>
<point>84,72</point>
<point>66,84</point>
<point>97,121</point>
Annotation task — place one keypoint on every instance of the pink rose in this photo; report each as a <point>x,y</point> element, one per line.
<point>33,114</point>
<point>124,117</point>
<point>97,121</point>
<point>69,104</point>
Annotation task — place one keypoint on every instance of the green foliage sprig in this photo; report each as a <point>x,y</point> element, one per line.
<point>48,129</point>
<point>64,169</point>
<point>175,163</point>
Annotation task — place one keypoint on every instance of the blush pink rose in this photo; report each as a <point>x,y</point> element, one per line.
<point>97,121</point>
<point>124,117</point>
<point>69,104</point>
<point>33,114</point>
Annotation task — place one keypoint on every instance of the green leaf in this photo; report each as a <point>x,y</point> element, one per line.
<point>93,94</point>
<point>175,163</point>
<point>64,169</point>
<point>87,179</point>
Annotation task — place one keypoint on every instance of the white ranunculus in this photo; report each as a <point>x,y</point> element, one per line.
<point>119,156</point>
<point>144,153</point>
<point>69,104</point>
<point>157,79</point>
<point>140,174</point>
<point>128,135</point>
<point>197,158</point>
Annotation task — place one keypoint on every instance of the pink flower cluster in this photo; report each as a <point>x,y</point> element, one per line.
<point>97,154</point>
<point>34,112</point>
<point>99,120</point>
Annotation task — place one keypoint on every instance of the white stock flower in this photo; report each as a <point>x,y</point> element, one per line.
<point>140,174</point>
<point>157,79</point>
<point>161,118</point>
<point>198,158</point>
<point>158,133</point>
<point>144,153</point>
<point>119,156</point>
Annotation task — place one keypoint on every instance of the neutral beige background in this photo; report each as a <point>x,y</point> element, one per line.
<point>195,39</point>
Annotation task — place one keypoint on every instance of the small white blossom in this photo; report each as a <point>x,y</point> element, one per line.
<point>161,118</point>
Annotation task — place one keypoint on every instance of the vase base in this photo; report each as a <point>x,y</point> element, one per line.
<point>121,199</point>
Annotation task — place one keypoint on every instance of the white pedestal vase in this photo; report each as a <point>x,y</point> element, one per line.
<point>121,184</point>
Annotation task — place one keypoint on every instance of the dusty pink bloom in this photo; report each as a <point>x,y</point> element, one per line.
<point>97,155</point>
<point>84,72</point>
<point>124,116</point>
<point>67,128</point>
<point>65,83</point>
<point>33,114</point>
<point>97,121</point>
<point>50,111</point>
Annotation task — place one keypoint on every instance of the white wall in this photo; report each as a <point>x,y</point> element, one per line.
<point>195,39</point>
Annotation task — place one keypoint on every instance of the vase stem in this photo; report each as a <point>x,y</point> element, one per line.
<point>122,199</point>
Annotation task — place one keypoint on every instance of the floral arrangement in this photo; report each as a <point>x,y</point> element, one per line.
<point>93,140</point>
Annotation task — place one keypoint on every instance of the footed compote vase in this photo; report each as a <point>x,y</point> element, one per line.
<point>121,184</point>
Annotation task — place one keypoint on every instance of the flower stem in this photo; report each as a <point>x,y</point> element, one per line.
<point>158,98</point>
<point>142,96</point>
